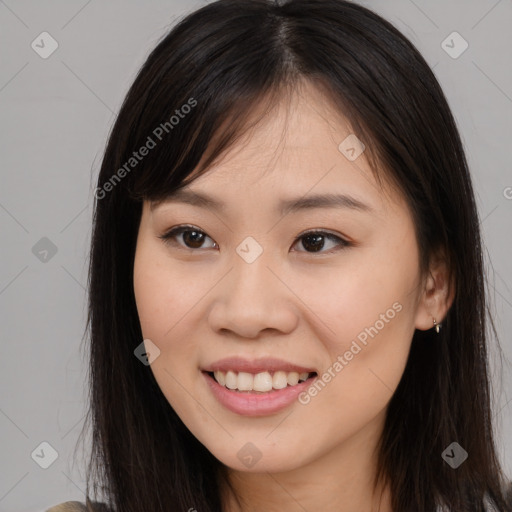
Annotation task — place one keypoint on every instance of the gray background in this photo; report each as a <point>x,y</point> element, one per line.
<point>55,117</point>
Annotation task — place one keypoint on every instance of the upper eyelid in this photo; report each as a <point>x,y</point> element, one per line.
<point>177,230</point>
<point>185,227</point>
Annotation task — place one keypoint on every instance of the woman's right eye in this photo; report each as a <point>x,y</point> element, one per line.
<point>193,237</point>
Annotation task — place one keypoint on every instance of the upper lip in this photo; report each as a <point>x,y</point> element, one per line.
<point>265,364</point>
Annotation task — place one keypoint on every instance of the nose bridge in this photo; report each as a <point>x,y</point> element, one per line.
<point>250,278</point>
<point>252,298</point>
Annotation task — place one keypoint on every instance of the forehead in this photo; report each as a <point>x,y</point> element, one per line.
<point>302,146</point>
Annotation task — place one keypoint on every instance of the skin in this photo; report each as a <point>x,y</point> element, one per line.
<point>202,304</point>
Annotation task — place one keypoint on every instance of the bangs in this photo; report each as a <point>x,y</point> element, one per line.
<point>202,138</point>
<point>178,154</point>
<point>190,103</point>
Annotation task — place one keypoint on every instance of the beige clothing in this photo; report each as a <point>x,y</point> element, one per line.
<point>77,506</point>
<point>69,506</point>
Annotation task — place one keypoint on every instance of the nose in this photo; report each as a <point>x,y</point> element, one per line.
<point>253,298</point>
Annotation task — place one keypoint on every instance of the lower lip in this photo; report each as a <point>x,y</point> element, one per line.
<point>254,403</point>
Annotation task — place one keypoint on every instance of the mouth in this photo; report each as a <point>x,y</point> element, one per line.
<point>259,387</point>
<point>261,382</point>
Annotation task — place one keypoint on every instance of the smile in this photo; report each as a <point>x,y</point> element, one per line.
<point>262,382</point>
<point>258,387</point>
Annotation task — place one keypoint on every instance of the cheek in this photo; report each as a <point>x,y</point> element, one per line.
<point>163,292</point>
<point>370,311</point>
<point>152,294</point>
<point>164,298</point>
<point>371,298</point>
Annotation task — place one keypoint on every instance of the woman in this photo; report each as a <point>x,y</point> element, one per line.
<point>287,306</point>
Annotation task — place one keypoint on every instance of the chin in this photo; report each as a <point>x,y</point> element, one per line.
<point>252,457</point>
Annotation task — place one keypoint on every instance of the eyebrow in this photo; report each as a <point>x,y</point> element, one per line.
<point>203,200</point>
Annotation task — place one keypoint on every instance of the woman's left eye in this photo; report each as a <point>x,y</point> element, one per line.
<point>316,241</point>
<point>193,238</point>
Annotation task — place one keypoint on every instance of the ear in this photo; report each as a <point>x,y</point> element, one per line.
<point>437,295</point>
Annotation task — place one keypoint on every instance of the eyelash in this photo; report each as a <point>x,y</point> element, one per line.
<point>176,231</point>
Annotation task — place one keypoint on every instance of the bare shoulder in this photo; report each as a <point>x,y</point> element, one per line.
<point>77,506</point>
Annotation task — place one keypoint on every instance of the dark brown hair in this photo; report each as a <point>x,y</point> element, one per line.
<point>223,61</point>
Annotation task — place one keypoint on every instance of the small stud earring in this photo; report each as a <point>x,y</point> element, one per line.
<point>437,326</point>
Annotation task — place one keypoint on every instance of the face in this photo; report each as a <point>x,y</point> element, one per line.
<point>282,333</point>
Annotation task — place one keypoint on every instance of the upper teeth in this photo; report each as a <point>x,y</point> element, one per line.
<point>263,381</point>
